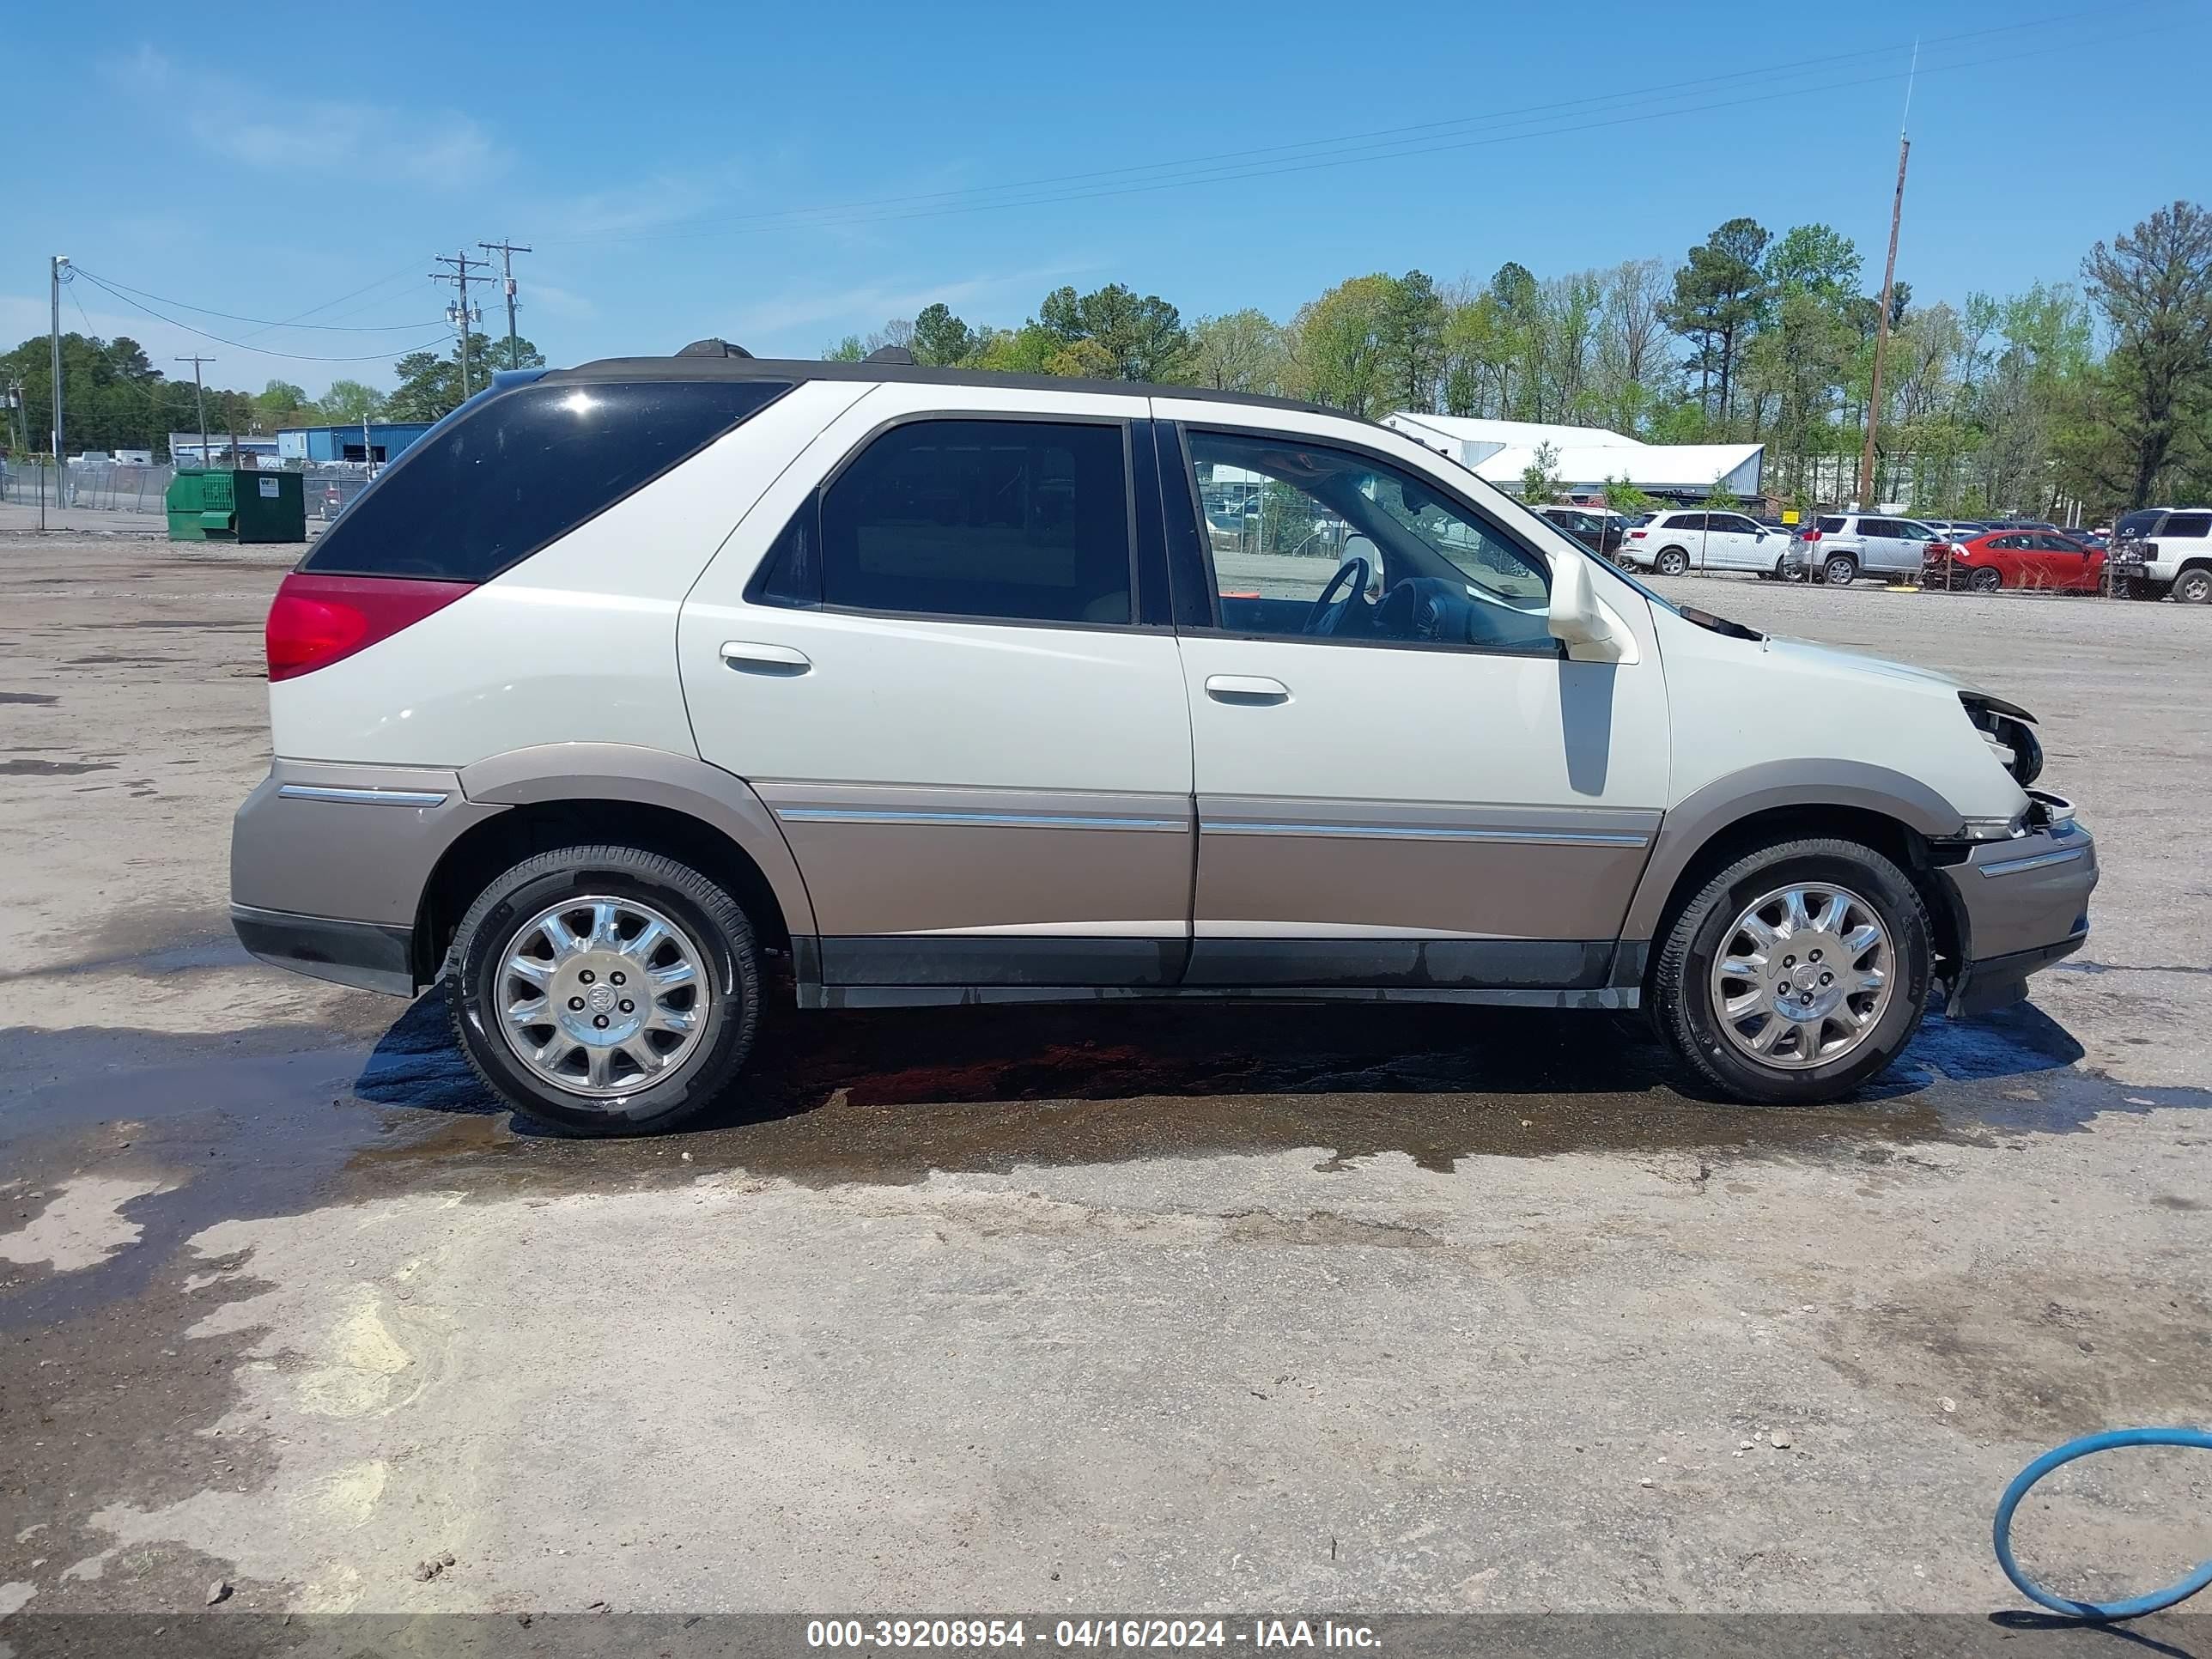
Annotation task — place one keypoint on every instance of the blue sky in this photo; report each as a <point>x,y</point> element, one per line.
<point>783,175</point>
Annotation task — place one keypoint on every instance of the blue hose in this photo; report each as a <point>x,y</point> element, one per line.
<point>2136,1607</point>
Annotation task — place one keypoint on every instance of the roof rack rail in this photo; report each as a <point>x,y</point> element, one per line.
<point>713,347</point>
<point>891,354</point>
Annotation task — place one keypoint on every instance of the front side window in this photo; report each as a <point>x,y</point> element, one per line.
<point>1015,521</point>
<point>1329,543</point>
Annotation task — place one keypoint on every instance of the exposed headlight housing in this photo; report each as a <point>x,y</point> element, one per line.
<point>2010,730</point>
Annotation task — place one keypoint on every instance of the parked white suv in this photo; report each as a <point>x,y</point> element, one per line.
<point>2159,550</point>
<point>1674,542</point>
<point>933,687</point>
<point>1842,546</point>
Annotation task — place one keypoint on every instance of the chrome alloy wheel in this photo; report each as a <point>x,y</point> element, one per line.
<point>1802,977</point>
<point>600,996</point>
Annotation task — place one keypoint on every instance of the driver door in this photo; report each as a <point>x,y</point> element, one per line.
<point>1377,805</point>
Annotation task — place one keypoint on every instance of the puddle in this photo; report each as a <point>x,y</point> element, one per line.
<point>38,768</point>
<point>273,1119</point>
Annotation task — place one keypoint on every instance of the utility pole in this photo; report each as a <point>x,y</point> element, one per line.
<point>458,313</point>
<point>506,251</point>
<point>54,338</point>
<point>199,396</point>
<point>1888,283</point>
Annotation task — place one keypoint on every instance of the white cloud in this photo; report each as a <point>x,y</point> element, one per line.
<point>871,304</point>
<point>442,149</point>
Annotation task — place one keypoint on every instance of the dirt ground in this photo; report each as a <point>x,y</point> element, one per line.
<point>1117,1309</point>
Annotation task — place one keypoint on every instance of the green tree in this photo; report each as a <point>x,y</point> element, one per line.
<point>1412,341</point>
<point>940,337</point>
<point>430,381</point>
<point>1242,351</point>
<point>1338,345</point>
<point>349,401</point>
<point>1719,296</point>
<point>2153,286</point>
<point>1622,497</point>
<point>1135,338</point>
<point>1540,479</point>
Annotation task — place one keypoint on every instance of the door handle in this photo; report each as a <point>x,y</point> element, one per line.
<point>1250,689</point>
<point>747,657</point>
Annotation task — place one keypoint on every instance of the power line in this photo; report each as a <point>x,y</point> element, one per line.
<point>233,317</point>
<point>1389,143</point>
<point>380,281</point>
<point>240,345</point>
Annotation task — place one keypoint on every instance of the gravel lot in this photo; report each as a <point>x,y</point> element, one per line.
<point>1139,1309</point>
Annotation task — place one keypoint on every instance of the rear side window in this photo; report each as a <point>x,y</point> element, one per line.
<point>2189,524</point>
<point>499,480</point>
<point>1014,520</point>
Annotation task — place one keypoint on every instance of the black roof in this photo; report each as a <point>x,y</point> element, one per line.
<point>703,367</point>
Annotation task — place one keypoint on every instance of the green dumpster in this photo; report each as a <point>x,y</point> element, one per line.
<point>223,504</point>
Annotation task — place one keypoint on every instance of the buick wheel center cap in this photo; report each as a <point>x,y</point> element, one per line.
<point>601,999</point>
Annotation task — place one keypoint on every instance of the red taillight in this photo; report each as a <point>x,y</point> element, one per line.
<point>1636,535</point>
<point>319,620</point>
<point>1809,536</point>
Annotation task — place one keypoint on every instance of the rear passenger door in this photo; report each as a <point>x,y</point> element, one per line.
<point>929,649</point>
<point>1734,542</point>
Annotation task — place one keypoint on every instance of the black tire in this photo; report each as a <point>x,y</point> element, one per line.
<point>1671,561</point>
<point>2193,586</point>
<point>1841,571</point>
<point>1681,999</point>
<point>695,903</point>
<point>1986,579</point>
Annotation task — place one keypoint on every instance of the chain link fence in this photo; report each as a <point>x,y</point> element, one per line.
<point>123,486</point>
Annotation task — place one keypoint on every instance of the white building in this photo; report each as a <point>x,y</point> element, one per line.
<point>1587,458</point>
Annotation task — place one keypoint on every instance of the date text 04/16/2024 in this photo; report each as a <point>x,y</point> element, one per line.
<point>1165,1634</point>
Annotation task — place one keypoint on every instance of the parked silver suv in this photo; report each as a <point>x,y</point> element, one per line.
<point>1842,546</point>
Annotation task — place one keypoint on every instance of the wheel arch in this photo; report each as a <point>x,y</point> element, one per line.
<point>576,794</point>
<point>1902,818</point>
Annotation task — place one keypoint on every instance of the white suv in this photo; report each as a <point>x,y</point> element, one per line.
<point>2159,550</point>
<point>635,693</point>
<point>1674,542</point>
<point>1842,546</point>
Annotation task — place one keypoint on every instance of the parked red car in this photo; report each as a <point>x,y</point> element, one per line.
<point>2038,559</point>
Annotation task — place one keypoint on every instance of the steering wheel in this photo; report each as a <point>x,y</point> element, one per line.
<point>1352,576</point>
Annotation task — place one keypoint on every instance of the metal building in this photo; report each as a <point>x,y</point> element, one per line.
<point>382,441</point>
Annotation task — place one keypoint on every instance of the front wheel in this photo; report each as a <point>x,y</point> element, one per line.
<point>2193,587</point>
<point>1671,561</point>
<point>605,990</point>
<point>1796,974</point>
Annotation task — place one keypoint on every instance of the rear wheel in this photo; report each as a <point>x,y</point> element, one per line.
<point>1796,974</point>
<point>1985,580</point>
<point>605,990</point>
<point>1840,570</point>
<point>1671,561</point>
<point>2193,587</point>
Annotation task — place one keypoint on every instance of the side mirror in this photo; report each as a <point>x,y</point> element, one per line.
<point>1576,618</point>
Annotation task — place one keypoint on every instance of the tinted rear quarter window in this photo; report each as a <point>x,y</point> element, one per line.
<point>506,477</point>
<point>1830,527</point>
<point>2189,525</point>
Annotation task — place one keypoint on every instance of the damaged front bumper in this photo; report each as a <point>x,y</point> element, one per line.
<point>2021,904</point>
